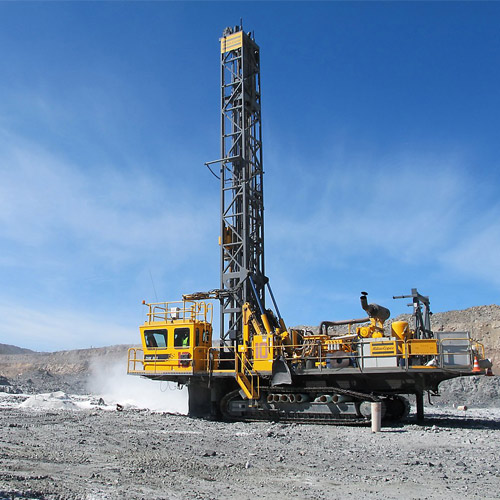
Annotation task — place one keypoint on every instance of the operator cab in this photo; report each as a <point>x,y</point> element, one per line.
<point>176,337</point>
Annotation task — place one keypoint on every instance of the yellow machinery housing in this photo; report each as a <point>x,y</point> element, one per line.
<point>176,338</point>
<point>275,372</point>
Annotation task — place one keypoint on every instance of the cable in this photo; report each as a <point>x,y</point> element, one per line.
<point>213,173</point>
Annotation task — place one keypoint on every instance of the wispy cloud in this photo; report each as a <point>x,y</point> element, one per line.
<point>56,329</point>
<point>406,209</point>
<point>75,234</point>
<point>344,225</point>
<point>44,199</point>
<point>476,252</point>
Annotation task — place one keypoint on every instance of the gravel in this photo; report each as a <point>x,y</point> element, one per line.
<point>100,453</point>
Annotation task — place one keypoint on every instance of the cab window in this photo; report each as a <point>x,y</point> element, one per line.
<point>156,338</point>
<point>206,336</point>
<point>181,337</point>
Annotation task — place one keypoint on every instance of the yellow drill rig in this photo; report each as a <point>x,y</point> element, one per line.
<point>258,369</point>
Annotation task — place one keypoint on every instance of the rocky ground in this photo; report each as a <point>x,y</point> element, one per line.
<point>63,437</point>
<point>68,371</point>
<point>100,453</point>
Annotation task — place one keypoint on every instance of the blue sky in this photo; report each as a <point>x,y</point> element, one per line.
<point>381,151</point>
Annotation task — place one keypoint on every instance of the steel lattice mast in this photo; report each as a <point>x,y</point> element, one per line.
<point>242,204</point>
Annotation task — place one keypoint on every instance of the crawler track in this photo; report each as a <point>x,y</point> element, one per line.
<point>348,408</point>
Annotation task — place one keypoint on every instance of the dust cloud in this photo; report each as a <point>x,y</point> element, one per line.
<point>114,385</point>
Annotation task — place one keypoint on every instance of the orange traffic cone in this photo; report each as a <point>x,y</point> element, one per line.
<point>489,372</point>
<point>476,368</point>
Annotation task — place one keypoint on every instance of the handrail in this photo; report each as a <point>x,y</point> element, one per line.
<point>187,310</point>
<point>246,376</point>
<point>134,360</point>
<point>158,363</point>
<point>316,353</point>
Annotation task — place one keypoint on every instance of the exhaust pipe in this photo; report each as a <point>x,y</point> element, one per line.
<point>374,310</point>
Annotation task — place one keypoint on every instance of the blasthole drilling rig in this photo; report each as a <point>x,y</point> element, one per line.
<point>259,369</point>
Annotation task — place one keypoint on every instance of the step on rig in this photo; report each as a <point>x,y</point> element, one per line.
<point>259,369</point>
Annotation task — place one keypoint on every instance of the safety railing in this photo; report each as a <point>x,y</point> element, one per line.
<point>218,360</point>
<point>185,310</point>
<point>158,361</point>
<point>133,360</point>
<point>355,354</point>
<point>247,378</point>
<point>479,348</point>
<point>408,354</point>
<point>226,359</point>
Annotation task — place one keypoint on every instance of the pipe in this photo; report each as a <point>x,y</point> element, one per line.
<point>327,324</point>
<point>265,322</point>
<point>376,416</point>
<point>274,301</point>
<point>259,303</point>
<point>374,310</point>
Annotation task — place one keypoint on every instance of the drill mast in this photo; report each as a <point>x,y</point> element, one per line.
<point>242,203</point>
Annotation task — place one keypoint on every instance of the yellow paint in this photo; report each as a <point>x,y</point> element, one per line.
<point>383,348</point>
<point>244,369</point>
<point>364,331</point>
<point>263,353</point>
<point>176,337</point>
<point>400,330</point>
<point>266,324</point>
<point>231,42</point>
<point>374,330</point>
<point>423,347</point>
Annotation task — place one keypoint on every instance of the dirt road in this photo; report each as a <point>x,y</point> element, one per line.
<point>98,454</point>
